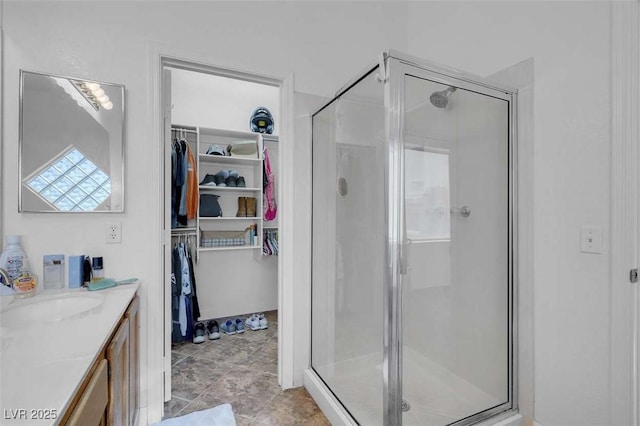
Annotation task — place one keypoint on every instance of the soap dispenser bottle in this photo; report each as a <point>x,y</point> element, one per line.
<point>15,262</point>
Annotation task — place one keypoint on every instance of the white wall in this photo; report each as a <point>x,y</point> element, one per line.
<point>323,44</point>
<point>569,43</point>
<point>206,100</point>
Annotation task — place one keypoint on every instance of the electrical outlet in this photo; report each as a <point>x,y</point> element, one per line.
<point>114,233</point>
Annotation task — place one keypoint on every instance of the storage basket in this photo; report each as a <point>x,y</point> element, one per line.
<point>222,238</point>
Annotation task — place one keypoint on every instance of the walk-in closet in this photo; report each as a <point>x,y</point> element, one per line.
<point>221,199</point>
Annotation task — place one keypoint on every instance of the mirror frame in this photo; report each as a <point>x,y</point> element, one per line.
<point>21,142</point>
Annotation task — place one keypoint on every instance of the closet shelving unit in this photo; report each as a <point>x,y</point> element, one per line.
<point>248,167</point>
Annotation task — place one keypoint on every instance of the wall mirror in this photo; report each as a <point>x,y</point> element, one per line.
<point>71,144</point>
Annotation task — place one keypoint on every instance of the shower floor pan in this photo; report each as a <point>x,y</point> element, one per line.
<point>436,395</point>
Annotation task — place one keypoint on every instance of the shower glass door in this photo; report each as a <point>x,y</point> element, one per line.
<point>455,285</point>
<point>348,260</point>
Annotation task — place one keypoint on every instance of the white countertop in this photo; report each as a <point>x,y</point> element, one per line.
<point>42,363</point>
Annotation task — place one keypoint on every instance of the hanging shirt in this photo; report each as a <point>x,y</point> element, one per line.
<point>192,185</point>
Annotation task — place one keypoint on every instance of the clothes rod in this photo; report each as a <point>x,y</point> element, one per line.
<point>184,232</point>
<point>180,129</point>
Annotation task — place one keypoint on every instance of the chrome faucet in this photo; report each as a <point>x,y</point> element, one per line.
<point>6,279</point>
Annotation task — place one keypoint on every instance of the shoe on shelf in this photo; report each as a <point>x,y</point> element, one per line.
<point>229,327</point>
<point>198,333</point>
<point>242,207</point>
<point>231,181</point>
<point>221,177</point>
<point>253,322</point>
<point>239,326</point>
<point>251,207</point>
<point>213,330</point>
<point>233,173</point>
<point>209,180</point>
<point>263,322</point>
<point>240,182</point>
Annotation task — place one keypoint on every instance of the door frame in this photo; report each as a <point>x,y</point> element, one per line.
<point>625,214</point>
<point>159,355</point>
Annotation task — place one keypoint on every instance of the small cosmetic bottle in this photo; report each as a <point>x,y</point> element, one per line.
<point>98,269</point>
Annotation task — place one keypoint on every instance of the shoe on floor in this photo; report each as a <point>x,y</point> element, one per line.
<point>198,333</point>
<point>253,322</point>
<point>213,330</point>
<point>229,327</point>
<point>263,322</point>
<point>239,326</point>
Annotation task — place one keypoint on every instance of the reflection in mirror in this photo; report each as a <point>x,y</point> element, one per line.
<point>71,145</point>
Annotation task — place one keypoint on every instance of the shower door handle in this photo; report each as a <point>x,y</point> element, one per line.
<point>404,255</point>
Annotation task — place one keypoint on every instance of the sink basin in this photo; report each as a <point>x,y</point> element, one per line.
<point>43,309</point>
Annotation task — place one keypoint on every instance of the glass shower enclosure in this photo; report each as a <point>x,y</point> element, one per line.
<point>413,246</point>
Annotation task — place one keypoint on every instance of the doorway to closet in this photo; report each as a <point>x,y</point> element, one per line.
<point>221,265</point>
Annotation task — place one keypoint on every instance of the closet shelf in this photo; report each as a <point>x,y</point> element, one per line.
<point>183,230</point>
<point>270,227</point>
<point>220,159</point>
<point>231,134</point>
<point>228,218</point>
<point>247,247</point>
<point>227,188</point>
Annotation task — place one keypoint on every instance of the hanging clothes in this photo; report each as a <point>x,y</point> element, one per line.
<point>181,181</point>
<point>270,242</point>
<point>269,207</point>
<point>184,302</point>
<point>184,182</point>
<point>192,185</point>
<point>179,162</point>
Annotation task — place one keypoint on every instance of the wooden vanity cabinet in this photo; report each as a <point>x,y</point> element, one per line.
<point>109,394</point>
<point>118,357</point>
<point>91,405</point>
<point>133,316</point>
<point>123,354</point>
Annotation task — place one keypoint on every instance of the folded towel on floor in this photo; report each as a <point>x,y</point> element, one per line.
<point>222,415</point>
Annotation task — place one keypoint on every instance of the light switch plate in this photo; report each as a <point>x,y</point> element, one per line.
<point>591,239</point>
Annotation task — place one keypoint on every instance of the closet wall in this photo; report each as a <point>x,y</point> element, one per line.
<point>229,282</point>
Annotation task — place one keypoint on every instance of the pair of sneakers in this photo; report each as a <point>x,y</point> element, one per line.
<point>257,322</point>
<point>200,331</point>
<point>233,326</point>
<point>224,178</point>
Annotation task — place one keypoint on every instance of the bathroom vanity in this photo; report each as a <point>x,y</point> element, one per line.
<point>70,357</point>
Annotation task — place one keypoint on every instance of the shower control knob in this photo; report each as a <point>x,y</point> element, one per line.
<point>463,211</point>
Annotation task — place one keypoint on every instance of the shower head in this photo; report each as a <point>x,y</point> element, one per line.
<point>441,99</point>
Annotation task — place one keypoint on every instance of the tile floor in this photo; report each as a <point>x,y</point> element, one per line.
<point>241,370</point>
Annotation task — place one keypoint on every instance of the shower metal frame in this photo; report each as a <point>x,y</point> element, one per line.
<point>393,67</point>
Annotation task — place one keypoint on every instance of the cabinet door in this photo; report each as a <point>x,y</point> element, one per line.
<point>91,406</point>
<point>133,316</point>
<point>118,357</point>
